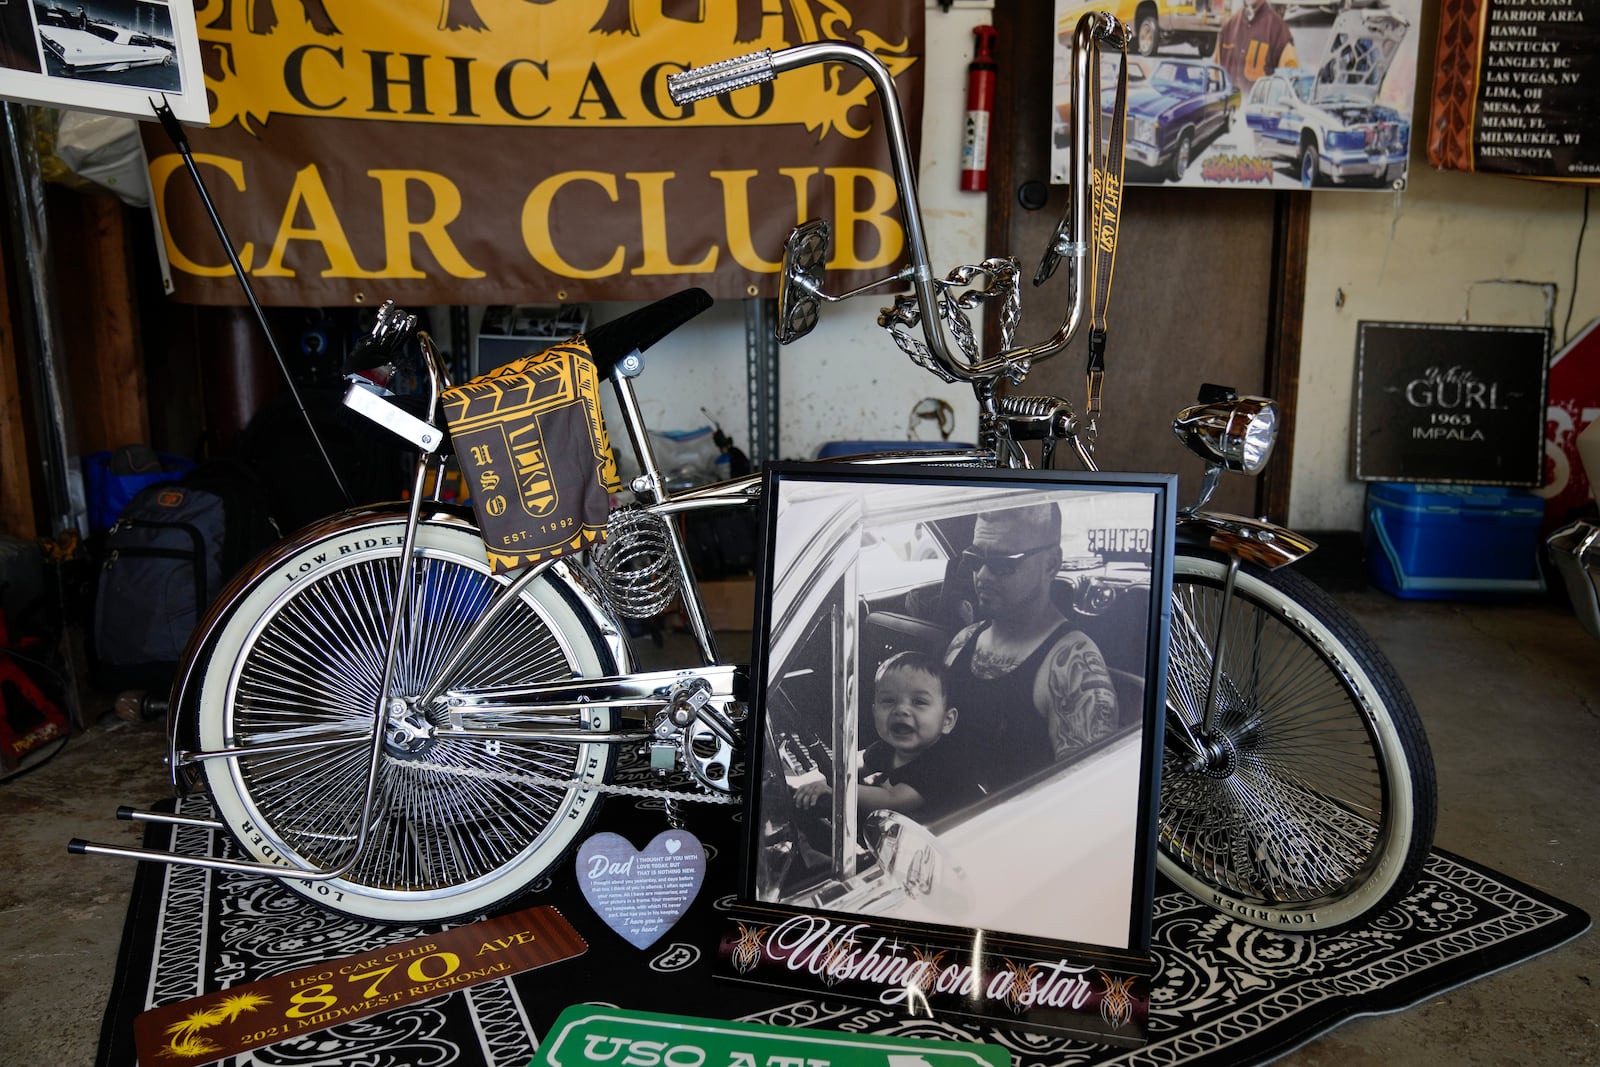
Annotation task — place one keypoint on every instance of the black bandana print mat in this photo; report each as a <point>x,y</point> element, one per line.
<point>1224,993</point>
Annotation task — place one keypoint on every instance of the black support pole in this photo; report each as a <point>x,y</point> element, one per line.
<point>180,140</point>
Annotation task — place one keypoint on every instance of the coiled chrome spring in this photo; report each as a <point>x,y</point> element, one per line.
<point>1015,406</point>
<point>634,563</point>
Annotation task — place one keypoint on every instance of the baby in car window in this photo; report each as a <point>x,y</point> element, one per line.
<point>908,769</point>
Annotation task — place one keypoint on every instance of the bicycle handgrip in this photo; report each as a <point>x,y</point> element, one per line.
<point>723,76</point>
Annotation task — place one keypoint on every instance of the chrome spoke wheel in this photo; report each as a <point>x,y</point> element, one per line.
<point>1310,802</point>
<point>456,823</point>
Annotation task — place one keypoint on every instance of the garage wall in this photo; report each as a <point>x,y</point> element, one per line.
<point>1451,248</point>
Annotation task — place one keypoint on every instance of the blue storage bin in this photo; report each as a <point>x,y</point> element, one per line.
<point>835,449</point>
<point>1453,541</point>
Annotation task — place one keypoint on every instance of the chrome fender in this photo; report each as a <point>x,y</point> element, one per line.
<point>1251,540</point>
<point>185,685</point>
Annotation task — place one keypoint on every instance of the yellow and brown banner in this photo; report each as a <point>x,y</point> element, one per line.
<point>512,151</point>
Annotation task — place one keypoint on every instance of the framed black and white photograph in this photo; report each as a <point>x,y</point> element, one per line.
<point>960,681</point>
<point>118,57</point>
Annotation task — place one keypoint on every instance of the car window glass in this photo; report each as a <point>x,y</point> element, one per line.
<point>897,556</point>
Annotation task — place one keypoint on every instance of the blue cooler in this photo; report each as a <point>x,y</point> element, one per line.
<point>1453,541</point>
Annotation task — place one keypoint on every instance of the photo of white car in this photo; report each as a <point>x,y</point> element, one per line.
<point>103,48</point>
<point>107,40</point>
<point>1328,123</point>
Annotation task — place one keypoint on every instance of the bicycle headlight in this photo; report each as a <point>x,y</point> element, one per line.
<point>1235,433</point>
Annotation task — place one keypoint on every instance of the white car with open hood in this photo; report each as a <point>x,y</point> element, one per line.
<point>1328,122</point>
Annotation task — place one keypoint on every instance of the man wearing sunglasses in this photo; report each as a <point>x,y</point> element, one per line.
<point>1032,689</point>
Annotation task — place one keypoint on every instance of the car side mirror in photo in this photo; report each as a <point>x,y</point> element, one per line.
<point>911,858</point>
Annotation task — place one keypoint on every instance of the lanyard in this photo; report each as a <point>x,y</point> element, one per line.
<point>1105,215</point>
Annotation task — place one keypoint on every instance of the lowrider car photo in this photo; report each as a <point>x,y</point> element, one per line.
<point>85,45</point>
<point>1181,106</point>
<point>1328,123</point>
<point>1062,128</point>
<point>1295,9</point>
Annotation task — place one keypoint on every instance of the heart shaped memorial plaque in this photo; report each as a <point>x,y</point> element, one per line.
<point>641,893</point>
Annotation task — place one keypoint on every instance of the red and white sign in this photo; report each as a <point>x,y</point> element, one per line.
<point>1574,402</point>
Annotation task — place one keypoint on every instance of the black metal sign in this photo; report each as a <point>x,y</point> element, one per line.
<point>1450,403</point>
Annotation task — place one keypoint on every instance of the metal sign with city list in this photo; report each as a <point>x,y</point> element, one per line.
<point>1514,87</point>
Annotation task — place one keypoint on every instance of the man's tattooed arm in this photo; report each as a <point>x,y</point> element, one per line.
<point>1079,701</point>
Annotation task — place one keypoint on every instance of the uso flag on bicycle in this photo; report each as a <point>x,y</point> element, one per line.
<point>533,448</point>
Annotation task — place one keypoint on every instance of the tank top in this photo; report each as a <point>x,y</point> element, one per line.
<point>996,721</point>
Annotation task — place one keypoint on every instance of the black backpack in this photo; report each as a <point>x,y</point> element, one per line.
<point>166,558</point>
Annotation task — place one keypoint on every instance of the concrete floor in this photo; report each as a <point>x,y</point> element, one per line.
<point>1510,694</point>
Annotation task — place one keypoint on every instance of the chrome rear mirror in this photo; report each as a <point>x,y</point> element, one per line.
<point>805,255</point>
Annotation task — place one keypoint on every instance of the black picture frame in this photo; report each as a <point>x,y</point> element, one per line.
<point>1029,899</point>
<point>1450,403</point>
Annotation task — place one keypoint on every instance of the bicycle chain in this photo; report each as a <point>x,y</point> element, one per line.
<point>566,783</point>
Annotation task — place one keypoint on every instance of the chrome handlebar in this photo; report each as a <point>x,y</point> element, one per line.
<point>766,66</point>
<point>1071,241</point>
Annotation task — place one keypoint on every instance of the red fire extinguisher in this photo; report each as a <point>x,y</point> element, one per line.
<point>980,108</point>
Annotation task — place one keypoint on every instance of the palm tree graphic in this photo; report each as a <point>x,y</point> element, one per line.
<point>185,1037</point>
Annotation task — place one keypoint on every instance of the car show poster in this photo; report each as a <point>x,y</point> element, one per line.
<point>1255,94</point>
<point>1514,84</point>
<point>109,56</point>
<point>488,152</point>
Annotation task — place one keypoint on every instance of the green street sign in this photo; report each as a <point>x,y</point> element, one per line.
<point>591,1036</point>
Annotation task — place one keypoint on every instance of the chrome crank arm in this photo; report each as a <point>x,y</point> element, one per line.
<point>650,691</point>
